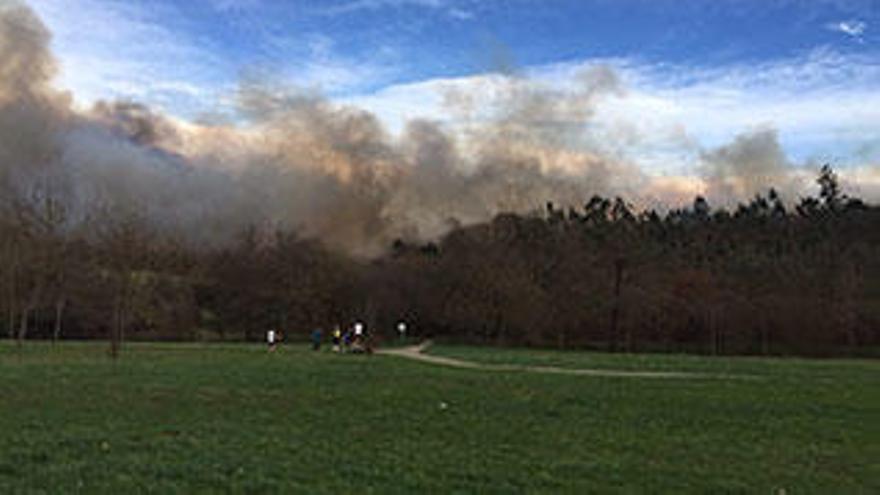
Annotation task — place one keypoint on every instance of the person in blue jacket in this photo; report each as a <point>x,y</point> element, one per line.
<point>317,335</point>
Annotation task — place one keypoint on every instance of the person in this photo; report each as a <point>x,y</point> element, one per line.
<point>401,330</point>
<point>271,339</point>
<point>346,341</point>
<point>337,338</point>
<point>359,337</point>
<point>316,339</point>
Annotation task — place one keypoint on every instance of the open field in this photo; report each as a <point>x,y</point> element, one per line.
<point>759,367</point>
<point>185,418</point>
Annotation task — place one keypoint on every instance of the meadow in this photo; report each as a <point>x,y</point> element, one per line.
<point>189,418</point>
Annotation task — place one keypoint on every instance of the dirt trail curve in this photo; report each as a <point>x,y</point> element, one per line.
<point>416,353</point>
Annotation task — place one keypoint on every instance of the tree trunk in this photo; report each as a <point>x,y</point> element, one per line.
<point>765,340</point>
<point>115,327</point>
<point>23,325</point>
<point>615,310</point>
<point>59,316</point>
<point>717,334</point>
<point>120,317</point>
<point>12,315</point>
<point>713,335</point>
<point>561,340</point>
<point>123,322</point>
<point>13,276</point>
<point>498,330</point>
<point>11,330</point>
<point>32,304</point>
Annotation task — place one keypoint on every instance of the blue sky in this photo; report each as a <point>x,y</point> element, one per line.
<point>410,40</point>
<point>705,70</point>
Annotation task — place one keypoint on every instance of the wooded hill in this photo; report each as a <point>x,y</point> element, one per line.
<point>761,279</point>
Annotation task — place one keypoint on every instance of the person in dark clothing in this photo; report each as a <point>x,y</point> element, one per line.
<point>347,338</point>
<point>317,335</point>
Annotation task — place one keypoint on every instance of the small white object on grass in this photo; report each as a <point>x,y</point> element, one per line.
<point>443,405</point>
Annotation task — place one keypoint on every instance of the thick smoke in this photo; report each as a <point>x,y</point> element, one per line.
<point>30,114</point>
<point>297,161</point>
<point>748,166</point>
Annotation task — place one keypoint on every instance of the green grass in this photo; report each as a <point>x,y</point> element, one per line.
<point>776,367</point>
<point>233,418</point>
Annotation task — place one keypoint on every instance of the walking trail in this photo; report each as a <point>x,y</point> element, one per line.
<point>416,353</point>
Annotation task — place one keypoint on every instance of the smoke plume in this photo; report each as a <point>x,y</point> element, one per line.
<point>294,160</point>
<point>748,166</point>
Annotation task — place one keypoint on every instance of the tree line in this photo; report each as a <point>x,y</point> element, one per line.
<point>763,278</point>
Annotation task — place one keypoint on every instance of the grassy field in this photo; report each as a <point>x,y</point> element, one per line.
<point>233,418</point>
<point>776,367</point>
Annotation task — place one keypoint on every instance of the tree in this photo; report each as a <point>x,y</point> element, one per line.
<point>125,255</point>
<point>829,189</point>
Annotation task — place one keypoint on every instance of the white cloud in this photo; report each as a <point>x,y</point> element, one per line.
<point>235,6</point>
<point>450,7</point>
<point>323,68</point>
<point>116,49</point>
<point>461,14</point>
<point>825,105</point>
<point>853,28</point>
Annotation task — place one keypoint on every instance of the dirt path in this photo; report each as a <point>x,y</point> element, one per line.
<point>416,353</point>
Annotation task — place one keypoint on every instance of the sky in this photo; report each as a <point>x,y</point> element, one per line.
<point>693,74</point>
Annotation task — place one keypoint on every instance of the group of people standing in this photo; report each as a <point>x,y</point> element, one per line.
<point>355,339</point>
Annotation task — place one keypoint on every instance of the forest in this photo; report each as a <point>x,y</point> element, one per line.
<point>762,279</point>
